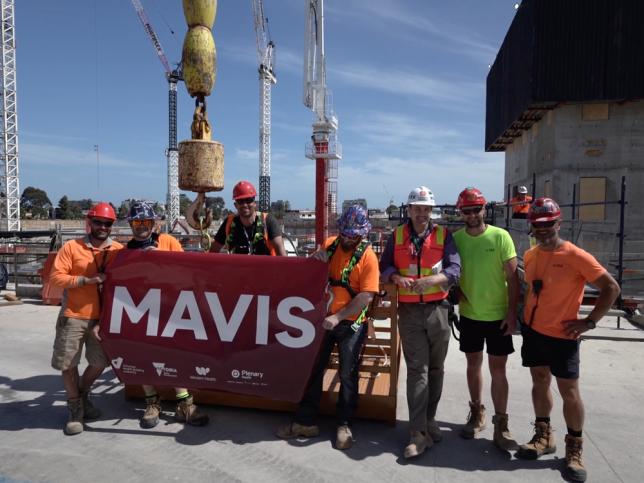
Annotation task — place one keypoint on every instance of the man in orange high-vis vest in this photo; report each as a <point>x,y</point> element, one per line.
<point>421,259</point>
<point>521,203</point>
<point>79,268</point>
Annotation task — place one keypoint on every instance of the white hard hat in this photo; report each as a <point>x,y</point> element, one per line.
<point>421,196</point>
<point>523,190</point>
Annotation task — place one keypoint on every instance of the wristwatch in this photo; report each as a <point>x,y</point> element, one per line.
<point>590,323</point>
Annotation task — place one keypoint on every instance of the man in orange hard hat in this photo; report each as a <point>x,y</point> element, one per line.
<point>79,268</point>
<point>249,232</point>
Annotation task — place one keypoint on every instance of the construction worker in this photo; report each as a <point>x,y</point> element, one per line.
<point>354,279</point>
<point>249,232</point>
<point>421,259</point>
<point>488,298</point>
<point>142,221</point>
<point>556,272</point>
<point>79,268</point>
<point>521,203</point>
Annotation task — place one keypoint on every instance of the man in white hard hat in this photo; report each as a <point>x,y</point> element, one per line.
<point>521,203</point>
<point>421,259</point>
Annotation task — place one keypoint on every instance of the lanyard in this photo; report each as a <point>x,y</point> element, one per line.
<point>251,248</point>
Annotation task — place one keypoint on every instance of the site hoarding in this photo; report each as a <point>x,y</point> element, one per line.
<point>236,323</point>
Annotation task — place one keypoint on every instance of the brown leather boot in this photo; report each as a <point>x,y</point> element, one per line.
<point>188,413</point>
<point>90,412</point>
<point>575,470</point>
<point>502,437</point>
<point>152,411</point>
<point>475,421</point>
<point>543,442</point>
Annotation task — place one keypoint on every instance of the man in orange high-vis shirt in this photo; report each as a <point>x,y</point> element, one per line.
<point>79,268</point>
<point>421,259</point>
<point>142,221</point>
<point>556,272</point>
<point>354,279</point>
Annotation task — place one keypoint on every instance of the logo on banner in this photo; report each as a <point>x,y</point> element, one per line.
<point>244,376</point>
<point>162,370</point>
<point>235,373</point>
<point>202,371</point>
<point>117,362</point>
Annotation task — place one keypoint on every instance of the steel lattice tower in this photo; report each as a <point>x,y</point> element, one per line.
<point>265,142</point>
<point>9,180</point>
<point>172,203</point>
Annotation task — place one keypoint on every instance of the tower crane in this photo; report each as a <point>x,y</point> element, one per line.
<point>266,58</point>
<point>172,153</point>
<point>9,179</point>
<point>323,147</point>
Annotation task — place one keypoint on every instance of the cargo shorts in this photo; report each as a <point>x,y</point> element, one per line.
<point>71,335</point>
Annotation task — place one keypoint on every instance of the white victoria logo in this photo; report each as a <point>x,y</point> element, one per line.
<point>117,362</point>
<point>235,373</point>
<point>159,367</point>
<point>202,371</point>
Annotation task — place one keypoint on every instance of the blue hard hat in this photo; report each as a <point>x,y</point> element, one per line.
<point>354,221</point>
<point>141,210</point>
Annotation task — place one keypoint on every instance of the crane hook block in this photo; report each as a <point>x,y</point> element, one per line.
<point>199,61</point>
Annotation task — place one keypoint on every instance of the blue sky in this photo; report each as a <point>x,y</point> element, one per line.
<point>407,76</point>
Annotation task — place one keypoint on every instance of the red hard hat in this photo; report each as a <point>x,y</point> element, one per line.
<point>102,210</point>
<point>470,197</point>
<point>244,189</point>
<point>544,209</point>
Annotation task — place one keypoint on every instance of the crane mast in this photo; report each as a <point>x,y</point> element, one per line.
<point>265,58</point>
<point>172,153</point>
<point>9,179</point>
<point>324,147</point>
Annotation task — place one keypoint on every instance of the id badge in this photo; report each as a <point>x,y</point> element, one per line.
<point>413,269</point>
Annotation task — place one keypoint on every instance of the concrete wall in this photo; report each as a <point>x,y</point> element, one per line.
<point>571,142</point>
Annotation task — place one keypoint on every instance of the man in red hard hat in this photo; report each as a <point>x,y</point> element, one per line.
<point>79,268</point>
<point>249,232</point>
<point>556,272</point>
<point>488,298</point>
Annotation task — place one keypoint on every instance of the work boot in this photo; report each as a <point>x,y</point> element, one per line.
<point>575,470</point>
<point>418,443</point>
<point>152,411</point>
<point>475,421</point>
<point>543,442</point>
<point>90,412</point>
<point>433,431</point>
<point>502,437</point>
<point>75,422</point>
<point>188,413</point>
<point>344,438</point>
<point>297,430</point>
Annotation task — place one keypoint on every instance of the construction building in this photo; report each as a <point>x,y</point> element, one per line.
<point>565,102</point>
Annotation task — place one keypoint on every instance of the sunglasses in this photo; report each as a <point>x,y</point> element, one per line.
<point>471,211</point>
<point>138,223</point>
<point>351,237</point>
<point>106,224</point>
<point>245,201</point>
<point>544,224</point>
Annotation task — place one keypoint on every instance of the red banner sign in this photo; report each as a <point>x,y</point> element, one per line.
<point>236,323</point>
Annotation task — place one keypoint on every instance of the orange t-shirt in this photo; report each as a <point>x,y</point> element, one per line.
<point>76,258</point>
<point>564,273</point>
<point>168,243</point>
<point>523,207</point>
<point>365,276</point>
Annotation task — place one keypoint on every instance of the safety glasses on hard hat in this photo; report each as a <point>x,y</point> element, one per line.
<point>543,224</point>
<point>245,201</point>
<point>106,224</point>
<point>471,211</point>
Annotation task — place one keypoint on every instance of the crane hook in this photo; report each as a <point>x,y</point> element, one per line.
<point>193,216</point>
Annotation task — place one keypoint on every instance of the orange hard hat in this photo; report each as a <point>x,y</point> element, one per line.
<point>244,189</point>
<point>544,209</point>
<point>102,210</point>
<point>470,197</point>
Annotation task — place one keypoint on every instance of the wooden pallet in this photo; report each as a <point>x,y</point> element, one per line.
<point>378,384</point>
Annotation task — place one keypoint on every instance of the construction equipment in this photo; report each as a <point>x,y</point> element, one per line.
<point>266,59</point>
<point>9,179</point>
<point>324,147</point>
<point>172,154</point>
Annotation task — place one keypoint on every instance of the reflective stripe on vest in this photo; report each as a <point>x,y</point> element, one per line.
<point>269,245</point>
<point>430,262</point>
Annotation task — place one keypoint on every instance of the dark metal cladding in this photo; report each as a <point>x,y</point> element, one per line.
<point>563,51</point>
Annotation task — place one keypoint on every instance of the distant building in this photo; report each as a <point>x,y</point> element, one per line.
<point>564,101</point>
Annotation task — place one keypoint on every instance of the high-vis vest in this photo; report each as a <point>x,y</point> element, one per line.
<point>428,262</point>
<point>260,236</point>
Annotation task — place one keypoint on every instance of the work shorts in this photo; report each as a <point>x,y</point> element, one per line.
<point>561,355</point>
<point>477,333</point>
<point>71,335</point>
